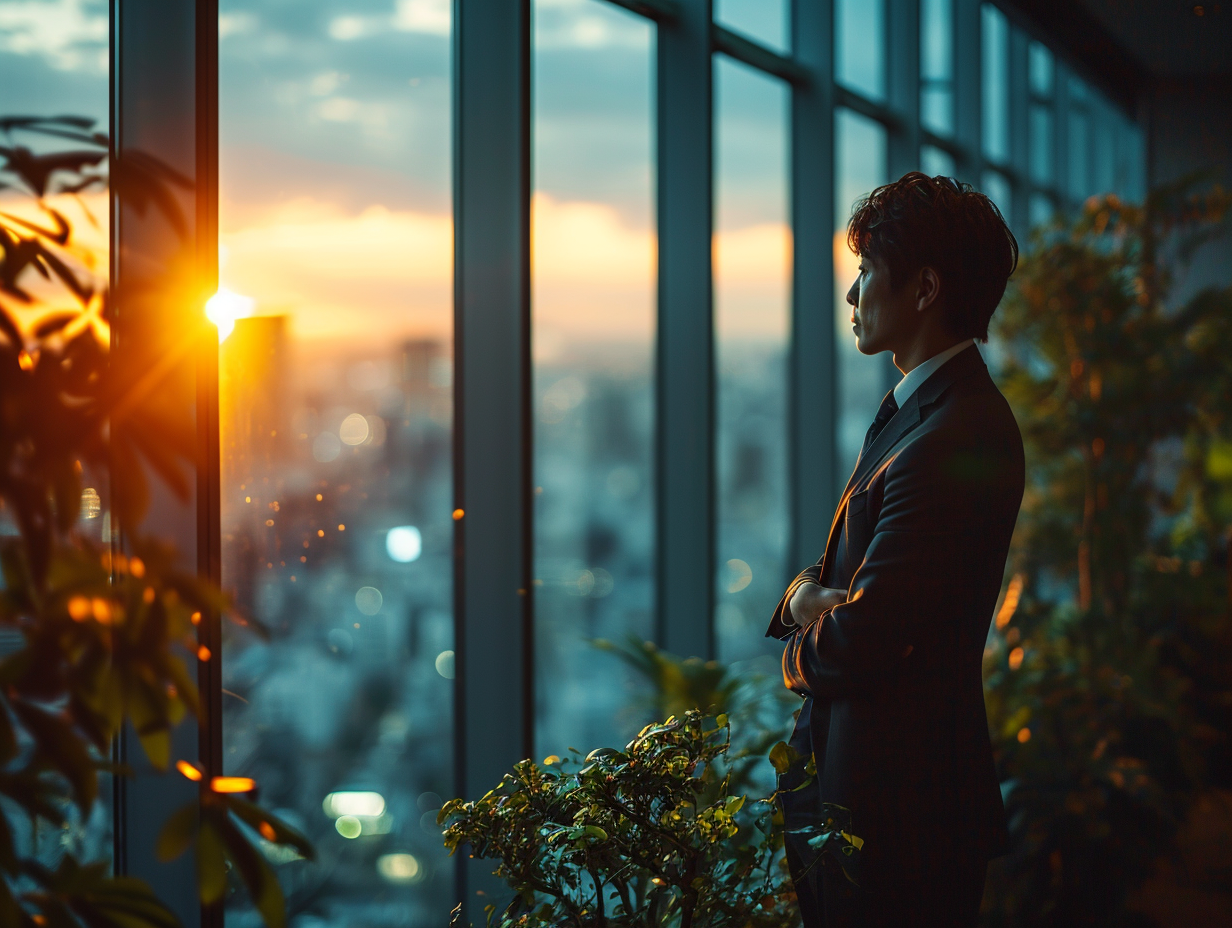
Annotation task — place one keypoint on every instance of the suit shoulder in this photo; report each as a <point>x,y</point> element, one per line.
<point>970,439</point>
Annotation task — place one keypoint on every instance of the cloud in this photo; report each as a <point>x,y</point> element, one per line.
<point>339,272</point>
<point>430,16</point>
<point>236,24</point>
<point>70,34</point>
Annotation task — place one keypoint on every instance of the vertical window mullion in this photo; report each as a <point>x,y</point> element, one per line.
<point>492,562</point>
<point>684,377</point>
<point>967,84</point>
<point>157,66</point>
<point>813,389</point>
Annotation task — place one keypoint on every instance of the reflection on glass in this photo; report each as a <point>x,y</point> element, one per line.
<point>934,161</point>
<point>937,65</point>
<point>593,298</point>
<point>335,425</point>
<point>860,46</point>
<point>995,99</point>
<point>1039,70</point>
<point>860,166</point>
<point>766,21</point>
<point>49,67</point>
<point>1040,143</point>
<point>752,331</point>
<point>997,186</point>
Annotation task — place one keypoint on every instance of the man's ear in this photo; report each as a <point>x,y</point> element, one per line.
<point>928,289</point>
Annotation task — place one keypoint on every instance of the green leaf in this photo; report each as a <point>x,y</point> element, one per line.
<point>255,873</point>
<point>63,750</point>
<point>211,864</point>
<point>782,755</point>
<point>254,816</point>
<point>178,832</point>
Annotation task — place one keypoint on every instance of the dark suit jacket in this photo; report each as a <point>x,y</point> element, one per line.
<point>920,541</point>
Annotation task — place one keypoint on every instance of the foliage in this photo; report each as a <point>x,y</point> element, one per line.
<point>103,635</point>
<point>1109,672</point>
<point>755,701</point>
<point>649,836</point>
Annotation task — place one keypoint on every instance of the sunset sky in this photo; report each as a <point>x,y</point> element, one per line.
<point>335,161</point>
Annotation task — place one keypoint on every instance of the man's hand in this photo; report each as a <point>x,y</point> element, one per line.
<point>812,599</point>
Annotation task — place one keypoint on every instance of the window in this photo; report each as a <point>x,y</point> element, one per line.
<point>860,165</point>
<point>346,233</point>
<point>752,310</point>
<point>593,323</point>
<point>335,321</point>
<point>994,63</point>
<point>48,68</point>
<point>937,66</point>
<point>934,161</point>
<point>859,50</point>
<point>766,21</point>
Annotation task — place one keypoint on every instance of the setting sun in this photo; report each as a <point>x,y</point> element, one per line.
<point>224,307</point>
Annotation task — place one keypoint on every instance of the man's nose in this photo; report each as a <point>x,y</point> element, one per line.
<point>853,295</point>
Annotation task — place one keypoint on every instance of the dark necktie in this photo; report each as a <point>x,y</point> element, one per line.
<point>888,408</point>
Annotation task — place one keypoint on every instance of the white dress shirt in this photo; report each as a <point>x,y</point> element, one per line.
<point>917,375</point>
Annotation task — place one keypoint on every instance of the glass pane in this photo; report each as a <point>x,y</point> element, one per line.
<point>937,65</point>
<point>859,53</point>
<point>1040,143</point>
<point>752,333</point>
<point>1103,142</point>
<point>593,295</point>
<point>1039,68</point>
<point>52,65</point>
<point>766,21</point>
<point>1041,208</point>
<point>335,319</point>
<point>934,161</point>
<point>1078,154</point>
<point>860,166</point>
<point>996,83</point>
<point>997,186</point>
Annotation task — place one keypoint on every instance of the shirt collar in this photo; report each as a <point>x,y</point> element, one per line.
<point>917,375</point>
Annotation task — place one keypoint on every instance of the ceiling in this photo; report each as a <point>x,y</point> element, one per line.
<point>1169,37</point>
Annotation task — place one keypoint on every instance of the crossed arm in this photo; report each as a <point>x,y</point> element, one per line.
<point>849,640</point>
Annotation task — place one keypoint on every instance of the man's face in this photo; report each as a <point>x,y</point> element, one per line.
<point>882,318</point>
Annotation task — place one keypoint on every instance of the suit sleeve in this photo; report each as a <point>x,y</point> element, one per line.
<point>935,505</point>
<point>782,625</point>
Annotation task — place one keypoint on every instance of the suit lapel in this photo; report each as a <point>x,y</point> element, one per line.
<point>964,363</point>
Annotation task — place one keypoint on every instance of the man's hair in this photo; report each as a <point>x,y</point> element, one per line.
<point>938,222</point>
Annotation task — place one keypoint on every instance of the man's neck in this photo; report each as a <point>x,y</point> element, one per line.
<point>926,345</point>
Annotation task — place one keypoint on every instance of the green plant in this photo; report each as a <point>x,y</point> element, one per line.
<point>756,701</point>
<point>105,634</point>
<point>1109,671</point>
<point>649,836</point>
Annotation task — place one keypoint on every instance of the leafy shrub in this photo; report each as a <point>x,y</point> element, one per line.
<point>649,836</point>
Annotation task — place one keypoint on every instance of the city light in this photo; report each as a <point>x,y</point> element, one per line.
<point>399,868</point>
<point>368,600</point>
<point>224,307</point>
<point>354,429</point>
<point>348,826</point>
<point>361,803</point>
<point>445,664</point>
<point>404,544</point>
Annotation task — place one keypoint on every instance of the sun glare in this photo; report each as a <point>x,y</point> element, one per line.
<point>224,307</point>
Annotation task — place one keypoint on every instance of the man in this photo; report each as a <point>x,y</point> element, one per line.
<point>885,634</point>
